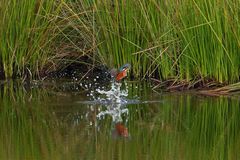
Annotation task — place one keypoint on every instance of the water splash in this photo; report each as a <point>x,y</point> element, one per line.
<point>115,101</point>
<point>114,95</point>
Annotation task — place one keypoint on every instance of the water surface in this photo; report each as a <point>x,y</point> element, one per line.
<point>69,120</point>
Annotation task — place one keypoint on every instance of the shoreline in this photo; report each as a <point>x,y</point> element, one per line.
<point>80,73</point>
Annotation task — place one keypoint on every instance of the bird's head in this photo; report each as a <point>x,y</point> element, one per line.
<point>121,73</point>
<point>125,67</point>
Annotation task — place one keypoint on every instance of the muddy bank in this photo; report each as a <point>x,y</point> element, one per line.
<point>181,85</point>
<point>207,87</point>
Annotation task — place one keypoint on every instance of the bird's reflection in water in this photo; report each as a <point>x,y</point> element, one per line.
<point>116,108</point>
<point>120,130</point>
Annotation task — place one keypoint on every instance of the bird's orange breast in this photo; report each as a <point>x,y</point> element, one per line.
<point>121,75</point>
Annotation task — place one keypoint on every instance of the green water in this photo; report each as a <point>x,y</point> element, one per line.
<point>49,121</point>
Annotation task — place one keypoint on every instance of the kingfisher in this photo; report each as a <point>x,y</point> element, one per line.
<point>118,75</point>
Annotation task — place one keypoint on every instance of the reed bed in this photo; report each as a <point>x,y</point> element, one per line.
<point>172,39</point>
<point>25,35</point>
<point>179,39</point>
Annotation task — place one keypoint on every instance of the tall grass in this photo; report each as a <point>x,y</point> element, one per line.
<point>42,36</point>
<point>135,32</point>
<point>76,35</point>
<point>181,39</point>
<point>25,33</point>
<point>210,28</point>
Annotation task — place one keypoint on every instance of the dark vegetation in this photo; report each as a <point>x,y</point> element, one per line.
<point>178,44</point>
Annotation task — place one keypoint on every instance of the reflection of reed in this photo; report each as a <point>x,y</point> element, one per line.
<point>26,126</point>
<point>183,126</point>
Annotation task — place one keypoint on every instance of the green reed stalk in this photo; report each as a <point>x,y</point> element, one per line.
<point>26,28</point>
<point>134,32</point>
<point>210,29</point>
<point>179,39</point>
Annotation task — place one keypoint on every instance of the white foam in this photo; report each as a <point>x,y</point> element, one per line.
<point>114,101</point>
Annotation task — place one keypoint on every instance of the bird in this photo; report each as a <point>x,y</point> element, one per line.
<point>118,75</point>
